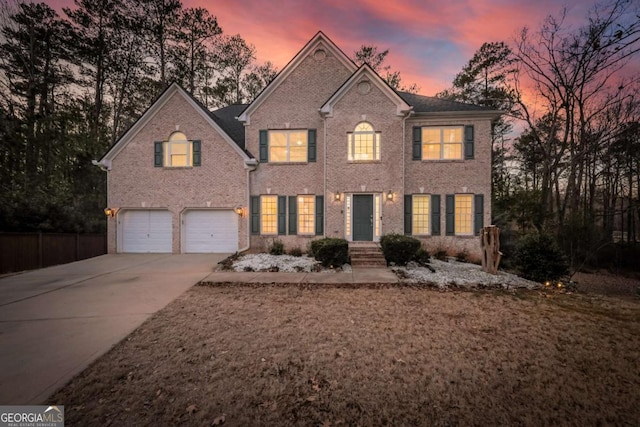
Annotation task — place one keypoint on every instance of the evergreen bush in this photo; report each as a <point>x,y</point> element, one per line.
<point>398,248</point>
<point>539,258</point>
<point>330,251</point>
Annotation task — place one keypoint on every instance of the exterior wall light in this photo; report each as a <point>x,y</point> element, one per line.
<point>240,211</point>
<point>337,196</point>
<point>110,212</point>
<point>390,195</point>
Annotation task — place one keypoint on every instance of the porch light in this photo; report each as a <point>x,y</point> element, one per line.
<point>337,196</point>
<point>110,212</point>
<point>240,211</point>
<point>390,195</point>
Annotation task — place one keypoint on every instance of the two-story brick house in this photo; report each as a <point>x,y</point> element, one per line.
<point>327,149</point>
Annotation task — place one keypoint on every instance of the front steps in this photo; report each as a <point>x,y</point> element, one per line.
<point>366,254</point>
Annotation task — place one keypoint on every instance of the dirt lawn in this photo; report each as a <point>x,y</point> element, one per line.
<point>331,356</point>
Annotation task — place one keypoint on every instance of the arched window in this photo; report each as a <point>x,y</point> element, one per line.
<point>364,143</point>
<point>178,152</point>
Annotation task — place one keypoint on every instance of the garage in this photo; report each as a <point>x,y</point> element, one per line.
<point>210,231</point>
<point>146,231</point>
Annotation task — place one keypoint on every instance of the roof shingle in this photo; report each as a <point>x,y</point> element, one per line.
<point>429,104</point>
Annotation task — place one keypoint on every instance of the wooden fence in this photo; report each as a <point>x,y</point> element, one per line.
<point>27,251</point>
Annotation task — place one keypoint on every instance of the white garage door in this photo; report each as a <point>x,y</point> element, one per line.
<point>209,231</point>
<point>146,231</point>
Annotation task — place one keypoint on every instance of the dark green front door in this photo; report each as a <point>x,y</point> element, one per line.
<point>362,217</point>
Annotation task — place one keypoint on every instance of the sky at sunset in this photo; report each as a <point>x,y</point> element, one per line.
<point>429,41</point>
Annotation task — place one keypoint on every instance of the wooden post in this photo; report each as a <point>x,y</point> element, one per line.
<point>490,244</point>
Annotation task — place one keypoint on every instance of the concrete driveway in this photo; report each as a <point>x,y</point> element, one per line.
<point>55,321</point>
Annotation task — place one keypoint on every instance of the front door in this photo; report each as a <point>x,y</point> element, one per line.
<point>362,217</point>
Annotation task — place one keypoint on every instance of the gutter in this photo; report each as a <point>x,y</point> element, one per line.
<point>104,165</point>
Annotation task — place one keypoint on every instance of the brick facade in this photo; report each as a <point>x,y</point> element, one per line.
<point>318,76</point>
<point>134,183</point>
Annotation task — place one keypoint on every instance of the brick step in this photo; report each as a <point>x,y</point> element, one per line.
<point>366,255</point>
<point>368,263</point>
<point>364,252</point>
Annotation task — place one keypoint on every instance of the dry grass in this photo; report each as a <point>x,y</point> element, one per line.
<point>290,355</point>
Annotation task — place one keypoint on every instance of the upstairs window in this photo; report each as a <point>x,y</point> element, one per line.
<point>177,151</point>
<point>288,146</point>
<point>364,143</point>
<point>442,143</point>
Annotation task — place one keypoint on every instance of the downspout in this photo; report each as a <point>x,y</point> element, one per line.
<point>250,166</point>
<point>326,196</point>
<point>404,149</point>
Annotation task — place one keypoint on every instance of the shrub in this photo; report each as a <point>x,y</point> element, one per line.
<point>462,256</point>
<point>276,247</point>
<point>330,251</point>
<point>295,251</point>
<point>421,256</point>
<point>440,254</point>
<point>539,258</point>
<point>398,248</point>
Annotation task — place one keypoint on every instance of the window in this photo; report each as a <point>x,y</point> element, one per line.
<point>269,214</point>
<point>177,151</point>
<point>420,215</point>
<point>306,214</point>
<point>364,143</point>
<point>463,214</point>
<point>442,143</point>
<point>286,146</point>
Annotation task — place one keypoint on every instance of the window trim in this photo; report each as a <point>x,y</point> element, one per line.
<point>442,128</point>
<point>351,141</point>
<point>262,215</point>
<point>457,216</point>
<point>312,214</point>
<point>288,133</point>
<point>169,143</point>
<point>427,214</point>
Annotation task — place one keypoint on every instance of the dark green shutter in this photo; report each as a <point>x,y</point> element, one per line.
<point>417,143</point>
<point>197,157</point>
<point>319,215</point>
<point>468,142</point>
<point>311,145</point>
<point>478,208</point>
<point>435,214</point>
<point>282,214</point>
<point>450,215</point>
<point>157,154</point>
<point>408,209</point>
<point>255,214</point>
<point>264,146</point>
<point>293,214</point>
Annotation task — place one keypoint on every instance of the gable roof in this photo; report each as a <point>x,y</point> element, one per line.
<point>320,39</point>
<point>430,104</point>
<point>365,72</point>
<point>226,118</point>
<point>162,99</point>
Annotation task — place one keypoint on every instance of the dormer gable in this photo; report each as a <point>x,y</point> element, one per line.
<point>320,44</point>
<point>363,79</point>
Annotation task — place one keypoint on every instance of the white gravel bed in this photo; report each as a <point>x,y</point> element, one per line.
<point>284,263</point>
<point>461,275</point>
